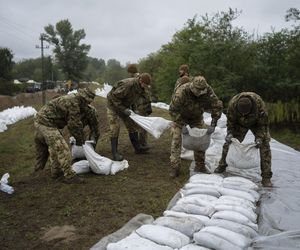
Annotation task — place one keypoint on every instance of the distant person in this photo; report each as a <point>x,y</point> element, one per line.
<point>141,107</point>
<point>183,75</point>
<point>55,115</point>
<point>247,111</point>
<point>187,106</point>
<point>120,100</point>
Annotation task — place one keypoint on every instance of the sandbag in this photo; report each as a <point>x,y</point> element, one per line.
<point>81,167</point>
<point>4,184</point>
<point>233,237</point>
<point>204,197</point>
<point>163,235</point>
<point>207,177</point>
<point>195,143</point>
<point>193,209</point>
<point>134,241</point>
<point>214,242</point>
<point>243,156</point>
<point>231,200</point>
<point>193,247</point>
<point>201,190</point>
<point>153,125</point>
<point>248,212</point>
<point>202,218</point>
<point>239,193</point>
<point>188,226</point>
<point>196,201</point>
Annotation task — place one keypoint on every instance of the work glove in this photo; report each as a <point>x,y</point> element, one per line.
<point>228,138</point>
<point>210,129</point>
<point>127,112</point>
<point>258,142</point>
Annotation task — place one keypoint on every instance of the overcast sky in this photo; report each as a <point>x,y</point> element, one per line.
<point>126,30</point>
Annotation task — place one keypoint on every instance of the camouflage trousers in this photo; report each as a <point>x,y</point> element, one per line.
<point>175,160</point>
<point>50,142</point>
<point>114,123</point>
<point>265,151</point>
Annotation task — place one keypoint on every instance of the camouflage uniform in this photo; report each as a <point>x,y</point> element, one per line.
<point>55,115</point>
<point>90,118</point>
<point>257,121</point>
<point>186,108</point>
<point>122,96</point>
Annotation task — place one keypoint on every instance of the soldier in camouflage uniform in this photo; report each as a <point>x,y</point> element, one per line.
<point>141,107</point>
<point>183,72</point>
<point>187,106</point>
<point>55,115</point>
<point>247,111</point>
<point>119,100</point>
<point>90,118</point>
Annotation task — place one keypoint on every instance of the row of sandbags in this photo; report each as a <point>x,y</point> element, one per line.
<point>212,213</point>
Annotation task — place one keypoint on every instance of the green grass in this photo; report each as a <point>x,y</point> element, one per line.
<point>287,137</point>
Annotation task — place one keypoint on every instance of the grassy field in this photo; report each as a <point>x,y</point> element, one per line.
<point>95,209</point>
<point>287,137</point>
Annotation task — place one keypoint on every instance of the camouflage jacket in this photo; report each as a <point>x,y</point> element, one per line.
<point>124,95</point>
<point>179,83</point>
<point>186,108</point>
<point>143,104</point>
<point>89,117</point>
<point>63,111</point>
<point>258,117</point>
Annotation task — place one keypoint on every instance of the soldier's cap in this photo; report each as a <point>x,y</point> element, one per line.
<point>132,68</point>
<point>87,94</point>
<point>145,78</point>
<point>198,86</point>
<point>184,79</point>
<point>244,105</point>
<point>184,67</point>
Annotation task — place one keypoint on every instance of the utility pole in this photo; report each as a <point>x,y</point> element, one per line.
<point>43,76</point>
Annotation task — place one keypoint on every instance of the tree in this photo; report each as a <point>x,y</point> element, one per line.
<point>70,54</point>
<point>114,71</point>
<point>6,63</point>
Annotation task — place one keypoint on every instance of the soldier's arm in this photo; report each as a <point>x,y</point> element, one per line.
<point>216,106</point>
<point>118,96</point>
<point>175,108</point>
<point>230,118</point>
<point>75,125</point>
<point>263,118</point>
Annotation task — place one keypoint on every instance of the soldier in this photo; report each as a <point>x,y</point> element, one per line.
<point>183,74</point>
<point>120,99</point>
<point>187,106</point>
<point>55,115</point>
<point>247,111</point>
<point>90,118</point>
<point>141,107</point>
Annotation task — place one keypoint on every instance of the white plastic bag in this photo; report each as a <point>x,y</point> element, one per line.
<point>195,139</point>
<point>4,184</point>
<point>243,155</point>
<point>153,125</point>
<point>81,167</point>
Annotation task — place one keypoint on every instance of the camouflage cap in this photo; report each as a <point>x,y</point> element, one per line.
<point>87,94</point>
<point>145,78</point>
<point>184,67</point>
<point>132,68</point>
<point>199,86</point>
<point>244,105</point>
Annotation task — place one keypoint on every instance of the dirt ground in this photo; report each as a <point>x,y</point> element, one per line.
<point>46,214</point>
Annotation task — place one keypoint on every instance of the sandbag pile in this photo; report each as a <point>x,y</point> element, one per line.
<point>212,213</point>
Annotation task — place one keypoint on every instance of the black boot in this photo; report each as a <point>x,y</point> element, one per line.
<point>114,149</point>
<point>143,141</point>
<point>135,143</point>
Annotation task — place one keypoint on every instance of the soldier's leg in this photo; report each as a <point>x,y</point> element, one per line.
<point>239,134</point>
<point>175,160</point>
<point>265,156</point>
<point>41,149</point>
<point>114,127</point>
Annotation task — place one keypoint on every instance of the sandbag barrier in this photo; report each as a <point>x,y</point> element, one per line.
<point>212,213</point>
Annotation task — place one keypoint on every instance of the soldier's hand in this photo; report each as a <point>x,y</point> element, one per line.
<point>228,138</point>
<point>258,142</point>
<point>127,112</point>
<point>210,130</point>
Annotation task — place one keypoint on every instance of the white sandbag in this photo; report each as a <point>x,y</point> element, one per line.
<point>204,197</point>
<point>206,182</point>
<point>233,237</point>
<point>4,184</point>
<point>193,247</point>
<point>248,212</point>
<point>235,201</point>
<point>243,155</point>
<point>235,217</point>
<point>200,190</point>
<point>193,209</point>
<point>239,193</point>
<point>202,218</point>
<point>252,192</point>
<point>238,179</point>
<point>233,226</point>
<point>135,242</point>
<point>188,225</point>
<point>200,184</point>
<point>118,166</point>
<point>163,235</point>
<point>198,142</point>
<point>153,125</point>
<point>77,152</point>
<point>214,242</point>
<point>207,177</point>
<point>81,167</point>
<point>196,201</point>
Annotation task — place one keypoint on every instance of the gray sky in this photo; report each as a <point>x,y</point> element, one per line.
<point>126,30</point>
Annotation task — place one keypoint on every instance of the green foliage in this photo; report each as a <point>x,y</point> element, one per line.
<point>71,55</point>
<point>6,63</point>
<point>114,71</point>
